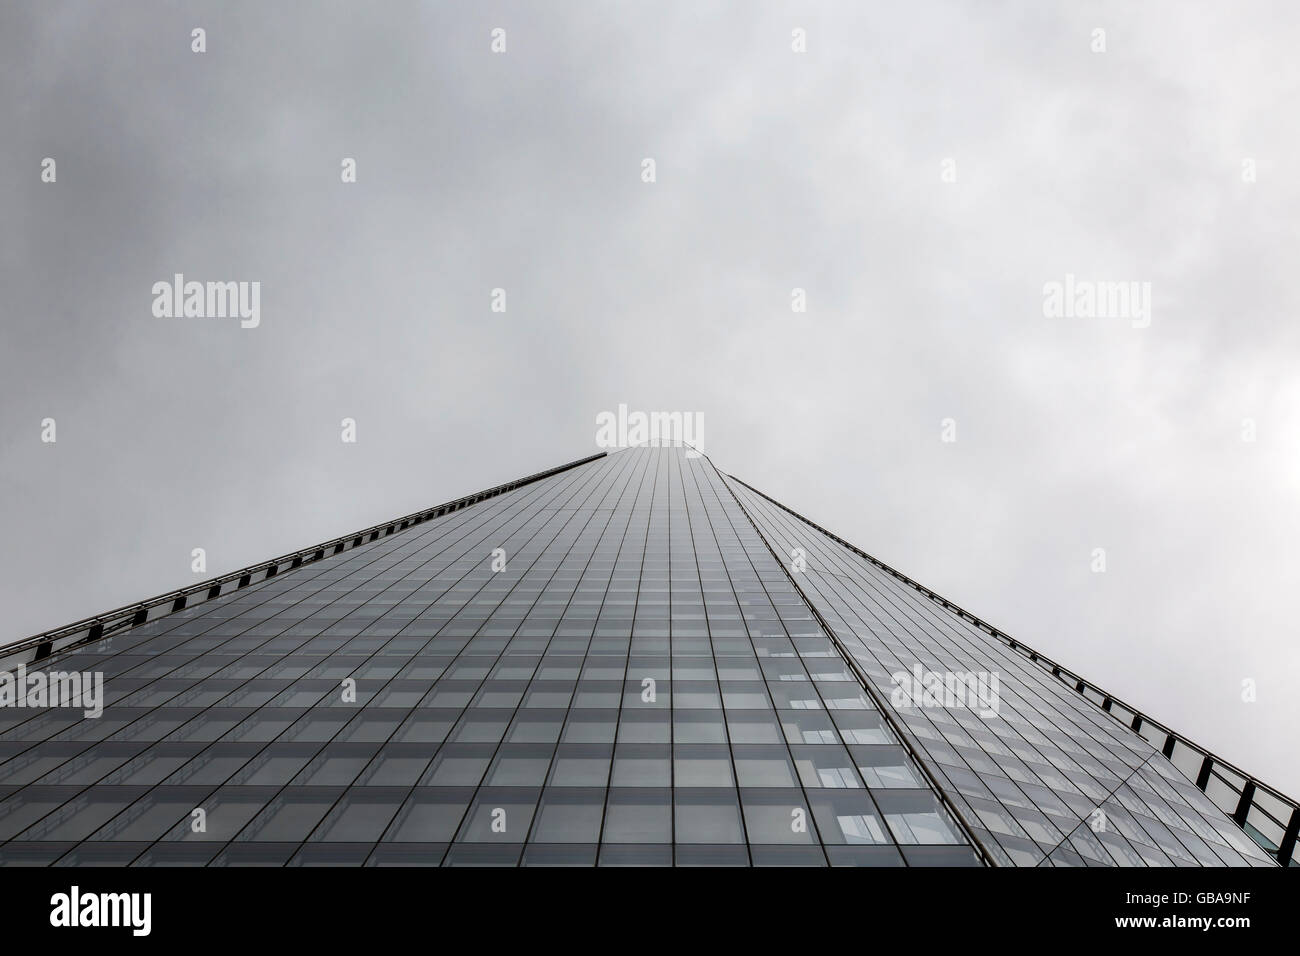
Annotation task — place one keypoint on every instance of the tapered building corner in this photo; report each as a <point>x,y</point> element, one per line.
<point>630,659</point>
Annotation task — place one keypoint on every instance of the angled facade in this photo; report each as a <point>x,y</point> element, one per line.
<point>633,659</point>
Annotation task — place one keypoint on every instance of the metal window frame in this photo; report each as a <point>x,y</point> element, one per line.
<point>40,646</point>
<point>968,830</point>
<point>1246,808</point>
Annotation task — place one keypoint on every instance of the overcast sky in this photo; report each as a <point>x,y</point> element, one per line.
<point>826,170</point>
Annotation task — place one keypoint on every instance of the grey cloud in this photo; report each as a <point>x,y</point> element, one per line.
<point>774,171</point>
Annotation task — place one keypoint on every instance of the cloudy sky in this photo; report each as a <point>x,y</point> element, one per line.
<point>921,172</point>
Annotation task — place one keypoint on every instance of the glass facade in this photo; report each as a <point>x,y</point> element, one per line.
<point>612,665</point>
<point>1049,778</point>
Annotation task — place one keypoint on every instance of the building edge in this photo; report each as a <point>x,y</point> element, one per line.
<point>41,646</point>
<point>1248,810</point>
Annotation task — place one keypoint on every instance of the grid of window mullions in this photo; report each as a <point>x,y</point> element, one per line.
<point>846,584</point>
<point>916,718</point>
<point>680,588</point>
<point>731,531</point>
<point>896,664</point>
<point>207,609</point>
<point>161,641</point>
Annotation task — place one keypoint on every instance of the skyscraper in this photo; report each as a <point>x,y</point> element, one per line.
<point>630,659</point>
